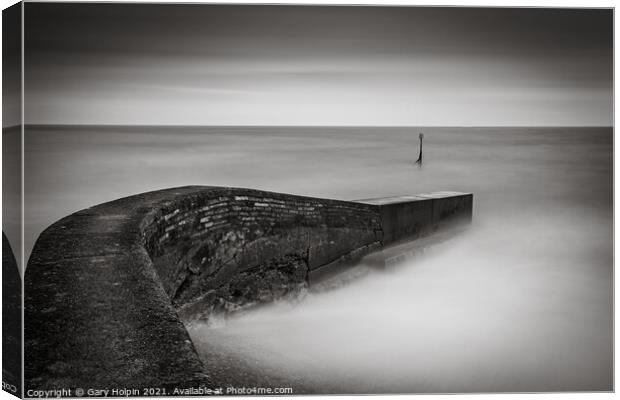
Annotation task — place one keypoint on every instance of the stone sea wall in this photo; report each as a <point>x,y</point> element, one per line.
<point>107,288</point>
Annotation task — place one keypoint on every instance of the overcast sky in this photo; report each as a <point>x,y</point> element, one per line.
<point>302,65</point>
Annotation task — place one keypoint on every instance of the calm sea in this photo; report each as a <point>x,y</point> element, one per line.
<point>523,302</point>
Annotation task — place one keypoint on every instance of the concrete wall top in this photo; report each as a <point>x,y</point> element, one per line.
<point>410,198</point>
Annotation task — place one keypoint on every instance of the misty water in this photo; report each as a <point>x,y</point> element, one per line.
<point>521,302</point>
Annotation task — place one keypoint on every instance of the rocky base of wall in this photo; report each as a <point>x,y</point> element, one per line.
<point>282,279</point>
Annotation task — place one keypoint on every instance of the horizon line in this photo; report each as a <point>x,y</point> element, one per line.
<point>307,126</point>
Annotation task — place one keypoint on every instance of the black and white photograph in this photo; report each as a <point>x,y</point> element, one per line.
<point>307,199</point>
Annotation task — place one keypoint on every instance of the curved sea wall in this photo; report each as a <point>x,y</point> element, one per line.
<point>107,288</point>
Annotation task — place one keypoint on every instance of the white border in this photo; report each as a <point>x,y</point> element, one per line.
<point>479,3</point>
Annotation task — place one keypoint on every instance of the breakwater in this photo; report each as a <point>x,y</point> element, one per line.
<point>107,288</point>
